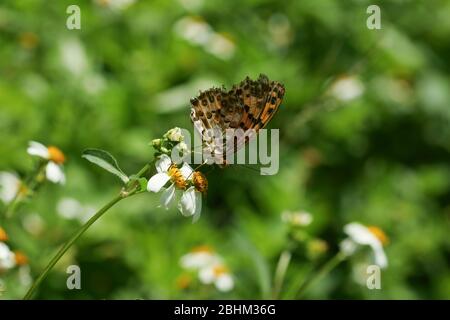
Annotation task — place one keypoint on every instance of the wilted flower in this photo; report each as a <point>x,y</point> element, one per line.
<point>55,158</point>
<point>360,235</point>
<point>9,186</point>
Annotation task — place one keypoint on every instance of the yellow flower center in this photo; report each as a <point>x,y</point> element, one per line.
<point>379,234</point>
<point>3,235</point>
<point>28,40</point>
<point>203,249</point>
<point>177,177</point>
<point>21,258</point>
<point>220,270</point>
<point>184,281</point>
<point>56,155</point>
<point>200,182</point>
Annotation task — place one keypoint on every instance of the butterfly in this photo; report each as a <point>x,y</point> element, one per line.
<point>248,107</point>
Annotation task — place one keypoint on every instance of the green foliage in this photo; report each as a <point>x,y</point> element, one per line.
<point>381,158</point>
<point>106,161</point>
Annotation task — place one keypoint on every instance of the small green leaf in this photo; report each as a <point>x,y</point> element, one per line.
<point>143,184</point>
<point>106,161</point>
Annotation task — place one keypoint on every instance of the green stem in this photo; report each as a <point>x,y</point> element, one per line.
<point>323,271</point>
<point>68,244</point>
<point>123,194</point>
<point>29,184</point>
<point>280,272</point>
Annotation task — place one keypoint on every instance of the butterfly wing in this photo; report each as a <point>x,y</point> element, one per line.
<point>249,106</point>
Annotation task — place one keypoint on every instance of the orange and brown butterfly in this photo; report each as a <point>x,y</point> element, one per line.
<point>249,106</point>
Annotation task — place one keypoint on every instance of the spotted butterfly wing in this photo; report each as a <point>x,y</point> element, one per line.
<point>249,106</point>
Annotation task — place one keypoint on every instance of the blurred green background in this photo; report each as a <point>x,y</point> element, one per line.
<point>364,136</point>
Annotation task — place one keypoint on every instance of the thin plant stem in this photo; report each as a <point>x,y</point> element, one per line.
<point>280,272</point>
<point>123,194</point>
<point>68,244</point>
<point>323,271</point>
<point>28,185</point>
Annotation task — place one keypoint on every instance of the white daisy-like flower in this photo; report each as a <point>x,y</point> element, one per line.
<point>9,186</point>
<point>7,257</point>
<point>300,218</point>
<point>53,170</point>
<point>360,235</point>
<point>116,5</point>
<point>217,274</point>
<point>190,203</point>
<point>199,257</point>
<point>72,209</point>
<point>347,88</point>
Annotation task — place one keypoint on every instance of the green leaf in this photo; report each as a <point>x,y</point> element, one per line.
<point>106,161</point>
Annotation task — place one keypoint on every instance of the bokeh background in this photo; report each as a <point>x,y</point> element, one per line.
<point>364,136</point>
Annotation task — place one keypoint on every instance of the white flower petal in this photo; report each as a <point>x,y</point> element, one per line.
<point>9,186</point>
<point>186,171</point>
<point>206,275</point>
<point>198,207</point>
<point>348,247</point>
<point>197,260</point>
<point>54,173</point>
<point>380,256</point>
<point>224,282</point>
<point>187,202</point>
<point>69,208</point>
<point>163,163</point>
<point>361,234</point>
<point>157,182</point>
<point>168,197</point>
<point>38,149</point>
<point>7,257</point>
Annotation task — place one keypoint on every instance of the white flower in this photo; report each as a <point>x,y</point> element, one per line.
<point>300,218</point>
<point>191,201</point>
<point>220,46</point>
<point>55,157</point>
<point>174,135</point>
<point>72,209</point>
<point>9,186</point>
<point>218,275</point>
<point>360,235</point>
<point>116,5</point>
<point>7,257</point>
<point>210,267</point>
<point>347,88</point>
<point>181,149</point>
<point>199,257</point>
<point>33,223</point>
